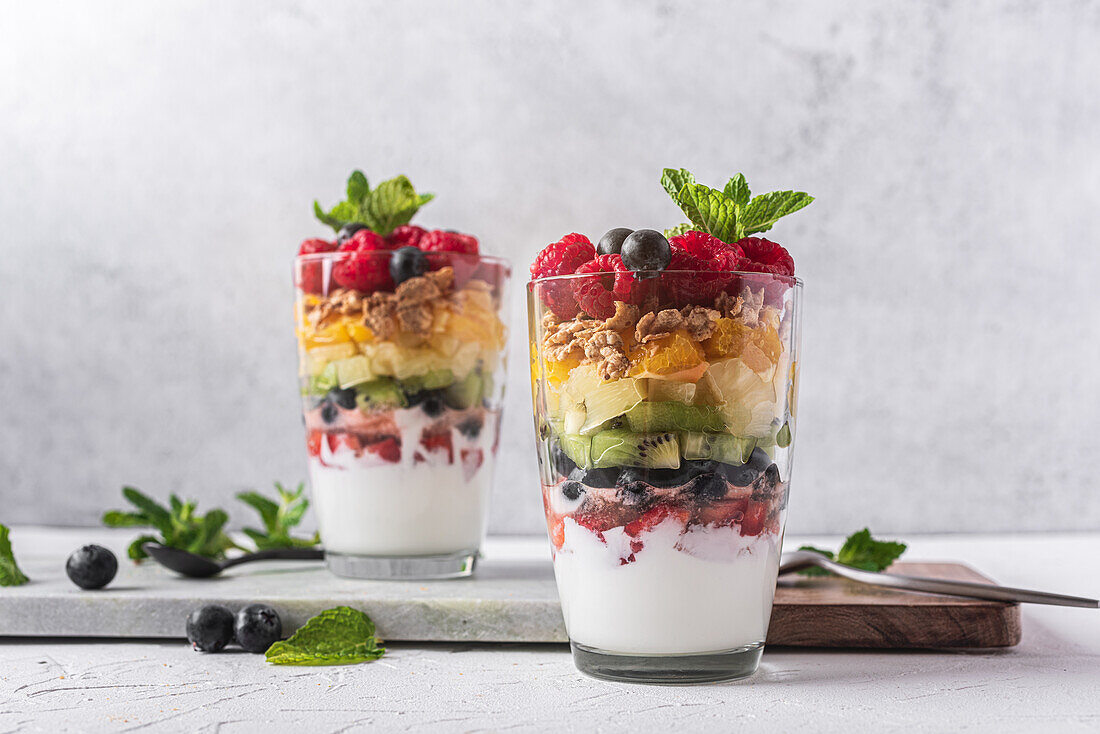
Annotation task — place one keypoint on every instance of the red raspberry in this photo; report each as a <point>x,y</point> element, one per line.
<point>764,256</point>
<point>561,258</point>
<point>361,269</point>
<point>611,281</point>
<point>407,235</point>
<point>439,240</point>
<point>708,247</point>
<point>311,273</point>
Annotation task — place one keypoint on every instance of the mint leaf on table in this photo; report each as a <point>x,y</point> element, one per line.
<point>10,575</point>
<point>729,214</point>
<point>179,525</point>
<point>860,550</point>
<point>339,636</point>
<point>383,209</point>
<point>278,516</point>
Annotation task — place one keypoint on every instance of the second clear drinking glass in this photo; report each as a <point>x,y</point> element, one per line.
<point>402,398</point>
<point>665,462</point>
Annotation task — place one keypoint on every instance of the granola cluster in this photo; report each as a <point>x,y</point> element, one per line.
<point>598,340</point>
<point>409,309</point>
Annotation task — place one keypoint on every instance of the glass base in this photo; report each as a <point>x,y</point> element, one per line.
<point>668,670</point>
<point>422,568</point>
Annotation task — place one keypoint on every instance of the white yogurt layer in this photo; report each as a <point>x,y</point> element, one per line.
<point>705,591</point>
<point>366,506</point>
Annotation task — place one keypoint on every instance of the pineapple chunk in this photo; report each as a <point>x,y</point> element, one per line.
<point>749,402</point>
<point>609,400</point>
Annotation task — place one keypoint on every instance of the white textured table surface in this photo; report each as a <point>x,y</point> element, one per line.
<point>1049,682</point>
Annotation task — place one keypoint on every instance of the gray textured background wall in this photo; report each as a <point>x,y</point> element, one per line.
<point>159,159</point>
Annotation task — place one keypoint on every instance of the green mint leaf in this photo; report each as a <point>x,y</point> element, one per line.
<point>678,230</point>
<point>158,514</point>
<point>278,518</point>
<point>10,575</point>
<point>339,636</point>
<point>675,179</point>
<point>863,551</point>
<point>737,189</point>
<point>814,571</point>
<point>764,210</point>
<point>268,510</point>
<point>391,205</point>
<point>329,219</point>
<point>709,210</point>
<point>120,519</point>
<point>358,188</point>
<point>135,552</point>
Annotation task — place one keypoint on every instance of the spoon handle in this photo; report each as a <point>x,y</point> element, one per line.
<point>956,588</point>
<point>289,554</point>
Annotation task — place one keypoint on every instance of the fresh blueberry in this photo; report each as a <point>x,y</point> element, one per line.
<point>572,490</point>
<point>432,404</point>
<point>329,413</point>
<point>470,427</point>
<point>91,567</point>
<point>257,626</point>
<point>347,231</point>
<point>407,262</point>
<point>210,629</point>
<point>599,478</point>
<point>709,486</point>
<point>345,397</point>
<point>739,475</point>
<point>662,478</point>
<point>759,460</point>
<point>646,249</point>
<point>771,476</point>
<point>560,461</point>
<point>612,241</point>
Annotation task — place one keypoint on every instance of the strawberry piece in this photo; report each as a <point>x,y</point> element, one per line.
<point>753,522</point>
<point>610,281</point>
<point>311,272</point>
<point>407,235</point>
<point>313,442</point>
<point>472,460</point>
<point>653,517</point>
<point>388,449</point>
<point>365,268</point>
<point>557,533</point>
<point>336,441</point>
<point>561,258</point>
<point>439,240</point>
<point>439,441</point>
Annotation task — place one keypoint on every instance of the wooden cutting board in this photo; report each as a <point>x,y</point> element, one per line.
<point>834,612</point>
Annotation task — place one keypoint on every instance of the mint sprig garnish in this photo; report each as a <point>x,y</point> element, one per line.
<point>729,214</point>
<point>179,525</point>
<point>860,550</point>
<point>278,516</point>
<point>382,210</point>
<point>339,636</point>
<point>10,575</point>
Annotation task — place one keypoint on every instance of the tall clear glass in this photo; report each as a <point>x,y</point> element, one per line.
<point>401,396</point>
<point>665,427</point>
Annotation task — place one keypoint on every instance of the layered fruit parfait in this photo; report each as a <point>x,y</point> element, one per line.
<point>401,344</point>
<point>664,374</point>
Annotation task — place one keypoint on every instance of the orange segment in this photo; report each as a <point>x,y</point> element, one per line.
<point>674,355</point>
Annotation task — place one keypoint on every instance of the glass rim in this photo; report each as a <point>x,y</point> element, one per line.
<point>657,273</point>
<point>322,256</point>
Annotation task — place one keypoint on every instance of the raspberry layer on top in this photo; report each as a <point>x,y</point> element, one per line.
<point>663,375</point>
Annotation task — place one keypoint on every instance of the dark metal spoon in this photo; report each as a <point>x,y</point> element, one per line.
<point>189,564</point>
